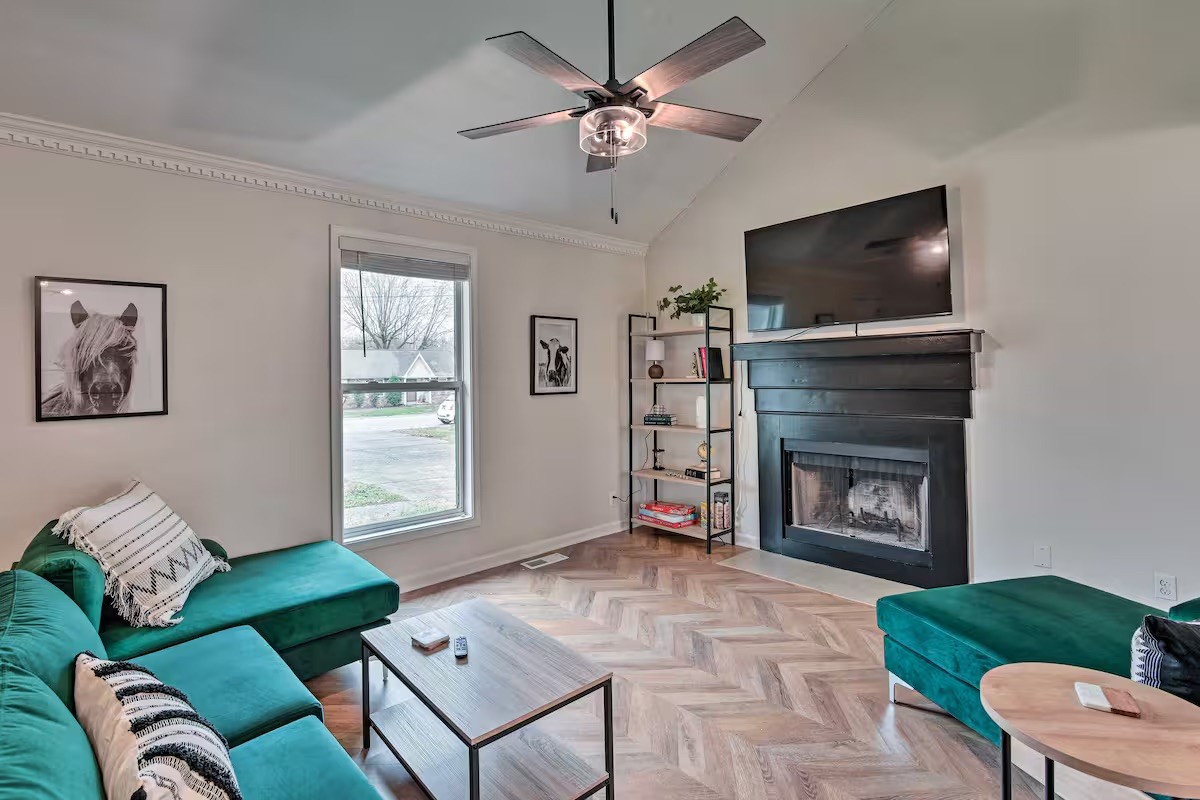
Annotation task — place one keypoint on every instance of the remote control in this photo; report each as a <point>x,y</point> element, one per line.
<point>460,647</point>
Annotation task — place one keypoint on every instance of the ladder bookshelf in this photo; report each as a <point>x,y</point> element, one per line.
<point>645,327</point>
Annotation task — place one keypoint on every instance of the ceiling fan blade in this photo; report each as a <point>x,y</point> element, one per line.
<point>727,42</point>
<point>599,163</point>
<point>535,55</point>
<point>733,127</point>
<point>521,124</point>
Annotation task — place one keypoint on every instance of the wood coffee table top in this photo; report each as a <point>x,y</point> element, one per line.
<point>1158,752</point>
<point>512,671</point>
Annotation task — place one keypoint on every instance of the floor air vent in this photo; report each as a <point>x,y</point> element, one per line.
<point>538,563</point>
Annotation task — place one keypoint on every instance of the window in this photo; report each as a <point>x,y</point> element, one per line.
<point>402,409</point>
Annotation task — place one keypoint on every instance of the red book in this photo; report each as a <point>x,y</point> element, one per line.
<point>687,524</point>
<point>703,361</point>
<point>668,508</point>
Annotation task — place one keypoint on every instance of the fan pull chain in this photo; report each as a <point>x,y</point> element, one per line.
<point>612,194</point>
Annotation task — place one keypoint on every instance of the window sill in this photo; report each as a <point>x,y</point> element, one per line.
<point>410,533</point>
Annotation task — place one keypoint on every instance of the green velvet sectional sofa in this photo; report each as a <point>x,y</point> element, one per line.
<point>942,641</point>
<point>248,638</point>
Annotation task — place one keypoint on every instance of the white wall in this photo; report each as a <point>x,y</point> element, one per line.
<point>243,454</point>
<point>1069,132</point>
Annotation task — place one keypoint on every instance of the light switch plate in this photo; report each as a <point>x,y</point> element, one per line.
<point>1041,556</point>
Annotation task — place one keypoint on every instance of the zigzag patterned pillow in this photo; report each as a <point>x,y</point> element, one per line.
<point>148,739</point>
<point>151,558</point>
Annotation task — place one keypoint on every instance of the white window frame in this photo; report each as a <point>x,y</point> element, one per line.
<point>467,516</point>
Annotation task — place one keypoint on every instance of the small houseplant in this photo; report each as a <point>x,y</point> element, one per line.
<point>696,302</point>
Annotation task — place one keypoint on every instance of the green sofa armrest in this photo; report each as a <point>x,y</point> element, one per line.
<point>72,571</point>
<point>1186,612</point>
<point>215,549</point>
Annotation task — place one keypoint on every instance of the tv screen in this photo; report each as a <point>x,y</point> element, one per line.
<point>889,259</point>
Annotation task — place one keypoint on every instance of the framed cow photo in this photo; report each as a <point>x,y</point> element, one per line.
<point>553,355</point>
<point>100,348</point>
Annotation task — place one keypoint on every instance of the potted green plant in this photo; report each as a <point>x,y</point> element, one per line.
<point>696,302</point>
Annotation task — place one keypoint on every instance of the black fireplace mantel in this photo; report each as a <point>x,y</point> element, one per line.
<point>906,375</point>
<point>910,390</point>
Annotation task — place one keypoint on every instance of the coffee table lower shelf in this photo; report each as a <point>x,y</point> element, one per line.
<point>528,764</point>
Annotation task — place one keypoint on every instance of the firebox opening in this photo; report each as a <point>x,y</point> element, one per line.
<point>859,493</point>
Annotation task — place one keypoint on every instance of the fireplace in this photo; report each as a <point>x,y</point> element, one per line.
<point>870,494</point>
<point>866,438</point>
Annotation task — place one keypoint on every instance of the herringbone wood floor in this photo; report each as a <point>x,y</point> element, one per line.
<point>727,684</point>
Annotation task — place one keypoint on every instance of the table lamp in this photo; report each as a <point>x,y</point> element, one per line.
<point>656,351</point>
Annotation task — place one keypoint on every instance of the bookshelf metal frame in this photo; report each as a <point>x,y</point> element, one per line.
<point>652,332</point>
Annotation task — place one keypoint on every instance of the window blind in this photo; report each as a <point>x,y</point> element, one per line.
<point>402,259</point>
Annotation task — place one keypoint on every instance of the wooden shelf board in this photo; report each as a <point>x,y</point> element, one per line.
<point>677,332</point>
<point>528,764</point>
<point>694,528</point>
<point>679,380</point>
<point>677,428</point>
<point>658,475</point>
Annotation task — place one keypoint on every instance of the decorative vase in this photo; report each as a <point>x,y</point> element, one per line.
<point>655,371</point>
<point>699,320</point>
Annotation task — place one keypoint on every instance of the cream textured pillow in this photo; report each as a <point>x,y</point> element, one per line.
<point>148,740</point>
<point>151,558</point>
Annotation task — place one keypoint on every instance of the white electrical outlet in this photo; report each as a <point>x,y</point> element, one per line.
<point>1165,587</point>
<point>1041,556</point>
<point>613,500</point>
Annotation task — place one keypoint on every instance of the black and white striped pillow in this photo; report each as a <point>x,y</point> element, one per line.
<point>1166,655</point>
<point>148,739</point>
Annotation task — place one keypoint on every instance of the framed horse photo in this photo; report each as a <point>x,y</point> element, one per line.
<point>553,355</point>
<point>100,348</point>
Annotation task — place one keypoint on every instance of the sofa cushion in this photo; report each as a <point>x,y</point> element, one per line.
<point>300,761</point>
<point>967,630</point>
<point>236,681</point>
<point>289,596</point>
<point>42,630</point>
<point>75,573</point>
<point>44,752</point>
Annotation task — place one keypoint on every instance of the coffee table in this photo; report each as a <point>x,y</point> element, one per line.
<point>1036,704</point>
<point>513,676</point>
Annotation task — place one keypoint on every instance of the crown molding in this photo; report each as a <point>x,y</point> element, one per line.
<point>53,137</point>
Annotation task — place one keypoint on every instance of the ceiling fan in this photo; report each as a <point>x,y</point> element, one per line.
<point>613,123</point>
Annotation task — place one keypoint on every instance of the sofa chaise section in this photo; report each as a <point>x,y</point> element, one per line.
<point>942,641</point>
<point>309,602</point>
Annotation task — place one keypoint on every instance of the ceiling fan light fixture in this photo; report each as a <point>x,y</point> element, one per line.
<point>612,131</point>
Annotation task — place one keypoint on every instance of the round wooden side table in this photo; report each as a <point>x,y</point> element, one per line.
<point>1036,704</point>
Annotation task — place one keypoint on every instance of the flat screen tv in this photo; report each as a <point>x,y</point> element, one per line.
<point>889,259</point>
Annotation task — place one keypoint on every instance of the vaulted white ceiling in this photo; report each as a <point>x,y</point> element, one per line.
<point>373,91</point>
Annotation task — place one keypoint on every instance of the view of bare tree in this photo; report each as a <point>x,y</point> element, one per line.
<point>393,312</point>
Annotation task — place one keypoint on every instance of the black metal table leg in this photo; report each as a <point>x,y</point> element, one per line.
<point>1005,766</point>
<point>473,755</point>
<point>366,697</point>
<point>610,791</point>
<point>1049,779</point>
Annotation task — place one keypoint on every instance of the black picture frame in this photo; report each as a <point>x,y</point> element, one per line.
<point>40,283</point>
<point>539,383</point>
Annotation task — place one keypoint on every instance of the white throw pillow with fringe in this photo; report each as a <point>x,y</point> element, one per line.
<point>151,558</point>
<point>148,739</point>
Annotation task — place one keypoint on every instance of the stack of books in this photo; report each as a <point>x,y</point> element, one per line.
<point>660,419</point>
<point>672,515</point>
<point>702,471</point>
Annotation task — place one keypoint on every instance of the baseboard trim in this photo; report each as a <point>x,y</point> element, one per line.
<point>509,555</point>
